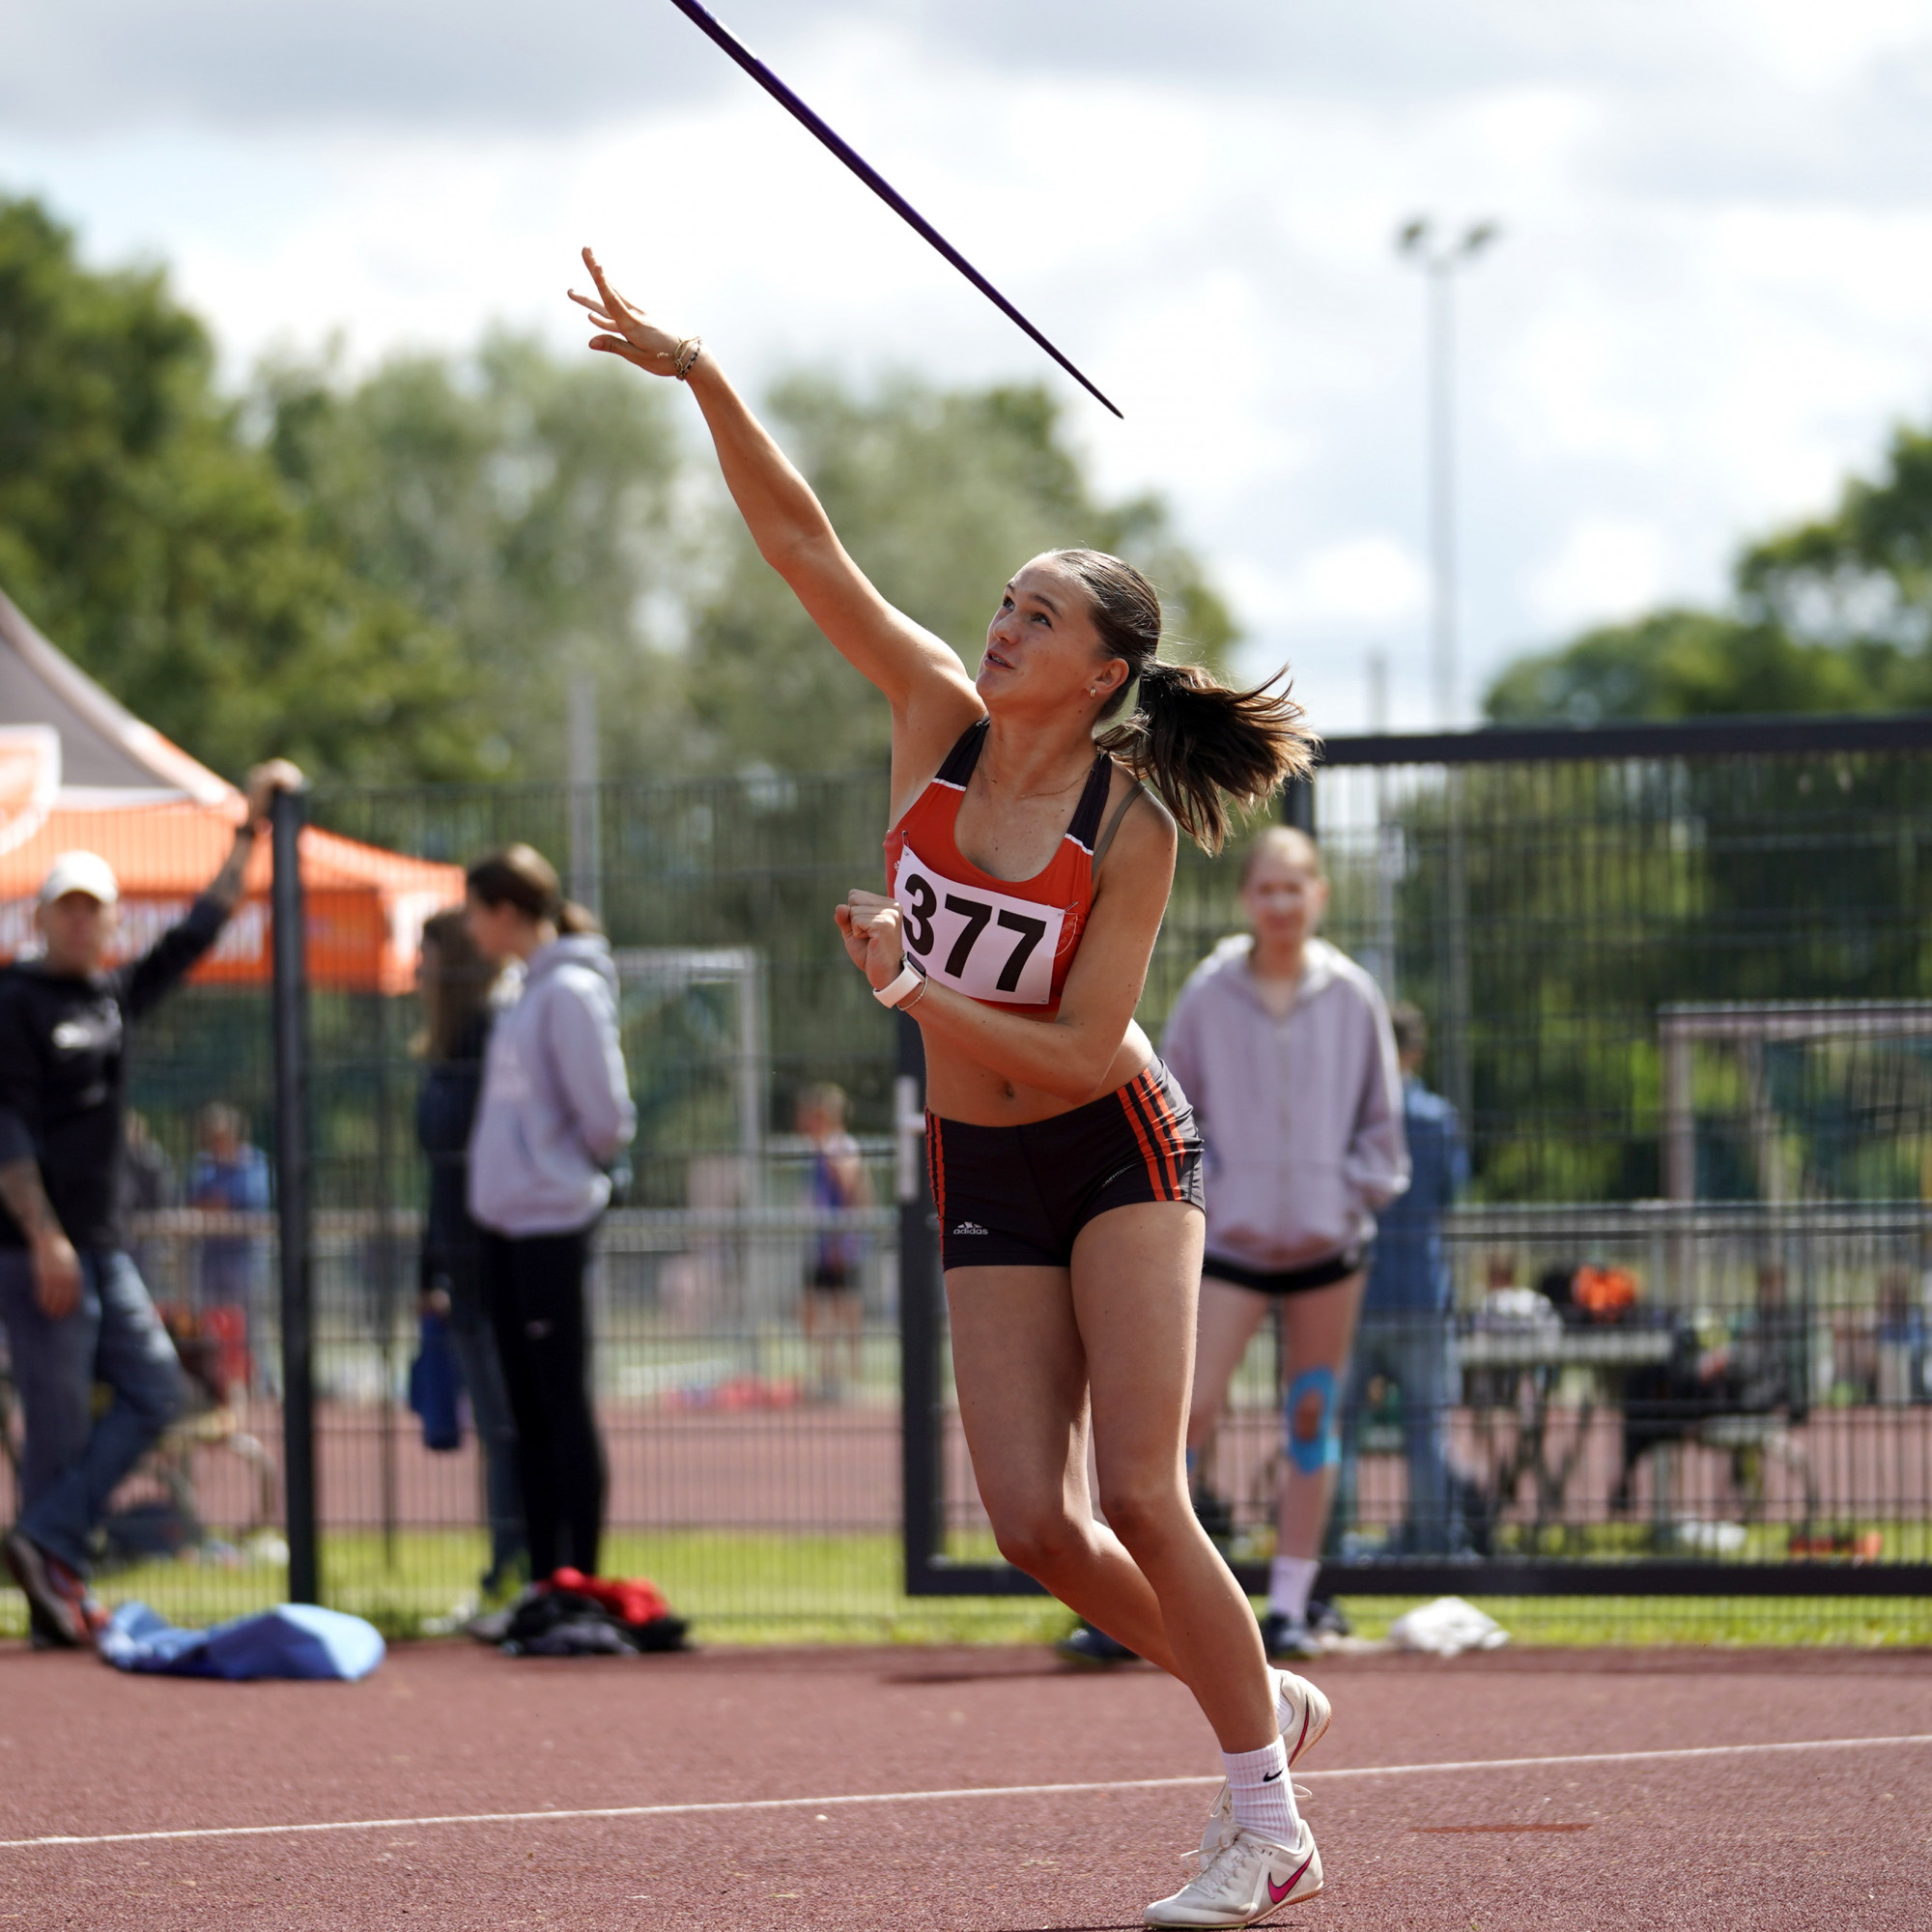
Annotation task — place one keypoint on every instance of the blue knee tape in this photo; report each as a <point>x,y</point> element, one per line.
<point>1321,1448</point>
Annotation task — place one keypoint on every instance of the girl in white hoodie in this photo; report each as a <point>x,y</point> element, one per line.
<point>1284,1045</point>
<point>554,1110</point>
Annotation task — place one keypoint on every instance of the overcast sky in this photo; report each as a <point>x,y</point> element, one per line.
<point>1713,296</point>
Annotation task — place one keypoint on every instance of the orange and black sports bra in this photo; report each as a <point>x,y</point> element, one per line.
<point>1006,942</point>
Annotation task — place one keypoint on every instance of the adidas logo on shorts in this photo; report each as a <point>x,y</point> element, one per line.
<point>969,1228</point>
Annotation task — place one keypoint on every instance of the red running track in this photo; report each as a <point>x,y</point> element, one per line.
<point>1838,1837</point>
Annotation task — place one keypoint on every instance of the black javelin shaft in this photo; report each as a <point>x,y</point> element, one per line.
<point>873,179</point>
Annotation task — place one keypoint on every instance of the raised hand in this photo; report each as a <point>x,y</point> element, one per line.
<point>633,334</point>
<point>870,926</point>
<point>264,781</point>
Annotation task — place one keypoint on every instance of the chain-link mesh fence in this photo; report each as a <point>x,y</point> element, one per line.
<point>1682,1004</point>
<point>1675,999</point>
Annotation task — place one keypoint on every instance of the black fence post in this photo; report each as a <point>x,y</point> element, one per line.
<point>1297,804</point>
<point>292,1184</point>
<point>920,1451</point>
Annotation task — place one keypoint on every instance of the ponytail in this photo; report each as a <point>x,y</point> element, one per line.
<point>1199,744</point>
<point>1202,745</point>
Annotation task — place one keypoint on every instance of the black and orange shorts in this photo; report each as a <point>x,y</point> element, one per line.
<point>1016,1197</point>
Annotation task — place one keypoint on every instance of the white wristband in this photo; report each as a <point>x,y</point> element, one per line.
<point>897,992</point>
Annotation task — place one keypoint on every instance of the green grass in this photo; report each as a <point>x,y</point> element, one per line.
<point>751,1589</point>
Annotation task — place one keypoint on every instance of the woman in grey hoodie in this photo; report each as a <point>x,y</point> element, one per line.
<point>1284,1045</point>
<point>554,1110</point>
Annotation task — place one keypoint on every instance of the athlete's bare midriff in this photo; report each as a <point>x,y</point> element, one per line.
<point>960,1088</point>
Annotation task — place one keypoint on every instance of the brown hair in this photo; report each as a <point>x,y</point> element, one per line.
<point>826,1098</point>
<point>520,875</point>
<point>456,985</point>
<point>1272,836</point>
<point>1198,742</point>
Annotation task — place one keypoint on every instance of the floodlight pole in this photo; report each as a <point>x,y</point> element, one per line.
<point>1441,261</point>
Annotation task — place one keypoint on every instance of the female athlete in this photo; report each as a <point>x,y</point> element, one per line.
<point>1028,869</point>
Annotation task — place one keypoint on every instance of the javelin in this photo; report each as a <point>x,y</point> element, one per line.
<point>871,177</point>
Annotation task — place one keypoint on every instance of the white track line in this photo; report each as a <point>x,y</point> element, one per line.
<point>936,1797</point>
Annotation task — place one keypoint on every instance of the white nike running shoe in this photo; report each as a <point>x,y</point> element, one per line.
<point>1221,1826</point>
<point>1304,1714</point>
<point>1304,1710</point>
<point>1243,1881</point>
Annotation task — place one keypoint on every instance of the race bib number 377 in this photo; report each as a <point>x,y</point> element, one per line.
<point>980,943</point>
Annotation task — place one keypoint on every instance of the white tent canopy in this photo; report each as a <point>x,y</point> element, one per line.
<point>66,744</point>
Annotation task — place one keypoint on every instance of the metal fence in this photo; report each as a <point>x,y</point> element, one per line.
<point>1679,981</point>
<point>1674,985</point>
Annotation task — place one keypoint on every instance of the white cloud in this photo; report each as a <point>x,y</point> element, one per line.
<point>1604,568</point>
<point>1812,47</point>
<point>1365,582</point>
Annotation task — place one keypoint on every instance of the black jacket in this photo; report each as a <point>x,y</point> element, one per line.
<point>64,1073</point>
<point>445,1114</point>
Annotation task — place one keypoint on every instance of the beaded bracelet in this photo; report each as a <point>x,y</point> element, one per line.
<point>688,353</point>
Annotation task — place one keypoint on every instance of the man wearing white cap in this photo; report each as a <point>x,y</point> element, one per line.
<point>74,1308</point>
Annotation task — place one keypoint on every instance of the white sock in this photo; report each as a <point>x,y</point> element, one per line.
<point>1279,1678</point>
<point>1290,1581</point>
<point>1264,1798</point>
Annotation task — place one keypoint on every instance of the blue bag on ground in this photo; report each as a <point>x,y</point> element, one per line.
<point>290,1640</point>
<point>435,1384</point>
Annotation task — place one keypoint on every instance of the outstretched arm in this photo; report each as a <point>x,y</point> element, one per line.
<point>922,677</point>
<point>142,981</point>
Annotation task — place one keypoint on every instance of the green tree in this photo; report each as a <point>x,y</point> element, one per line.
<point>1860,578</point>
<point>518,500</point>
<point>144,534</point>
<point>1688,664</point>
<point>1834,614</point>
<point>939,495</point>
<point>545,512</point>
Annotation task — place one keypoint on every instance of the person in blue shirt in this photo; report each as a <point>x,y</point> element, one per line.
<point>229,1176</point>
<point>1408,1332</point>
<point>832,1311</point>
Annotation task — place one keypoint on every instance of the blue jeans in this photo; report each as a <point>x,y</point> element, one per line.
<point>71,1463</point>
<point>1417,1352</point>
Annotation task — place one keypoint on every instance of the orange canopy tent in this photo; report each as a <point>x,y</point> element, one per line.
<point>77,770</point>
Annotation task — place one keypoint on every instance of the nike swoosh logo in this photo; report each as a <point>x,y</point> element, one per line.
<point>1270,1777</point>
<point>1277,1892</point>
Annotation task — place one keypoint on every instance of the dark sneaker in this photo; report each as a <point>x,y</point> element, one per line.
<point>1283,1638</point>
<point>1325,1619</point>
<point>493,1626</point>
<point>57,1597</point>
<point>1093,1648</point>
<point>42,1634</point>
